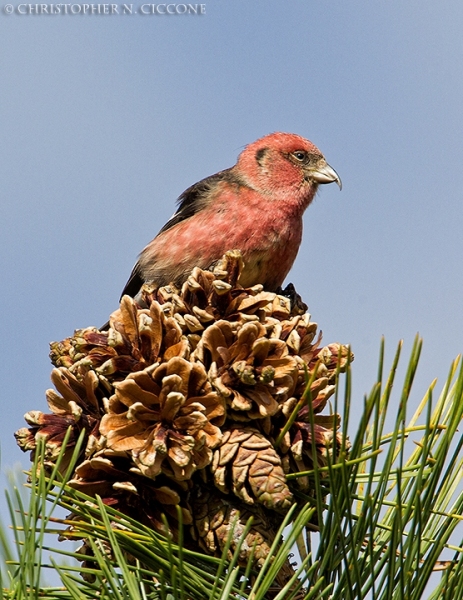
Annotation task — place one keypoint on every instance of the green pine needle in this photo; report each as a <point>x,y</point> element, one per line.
<point>389,514</point>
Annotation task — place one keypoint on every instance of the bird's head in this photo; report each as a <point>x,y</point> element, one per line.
<point>285,162</point>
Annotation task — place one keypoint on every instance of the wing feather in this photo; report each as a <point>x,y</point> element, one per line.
<point>192,201</point>
<point>196,197</point>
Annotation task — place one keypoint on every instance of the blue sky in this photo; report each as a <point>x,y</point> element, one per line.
<point>107,119</point>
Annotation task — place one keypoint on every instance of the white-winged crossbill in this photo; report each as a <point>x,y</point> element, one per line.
<point>255,206</point>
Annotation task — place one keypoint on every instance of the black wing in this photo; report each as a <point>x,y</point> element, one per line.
<point>189,203</point>
<point>133,285</point>
<point>195,197</point>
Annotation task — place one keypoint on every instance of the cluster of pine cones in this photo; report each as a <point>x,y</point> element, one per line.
<point>196,398</point>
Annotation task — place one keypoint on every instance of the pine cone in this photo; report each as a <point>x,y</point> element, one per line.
<point>167,417</point>
<point>213,517</point>
<point>220,520</point>
<point>109,474</point>
<point>195,385</point>
<point>247,463</point>
<point>254,373</point>
<point>78,408</point>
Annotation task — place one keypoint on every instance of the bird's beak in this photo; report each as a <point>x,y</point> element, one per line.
<point>323,173</point>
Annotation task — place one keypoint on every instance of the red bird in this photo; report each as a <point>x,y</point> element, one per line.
<point>255,207</point>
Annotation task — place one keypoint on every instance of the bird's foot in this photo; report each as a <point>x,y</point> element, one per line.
<point>298,307</point>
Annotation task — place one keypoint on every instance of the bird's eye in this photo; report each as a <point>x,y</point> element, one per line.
<point>300,155</point>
